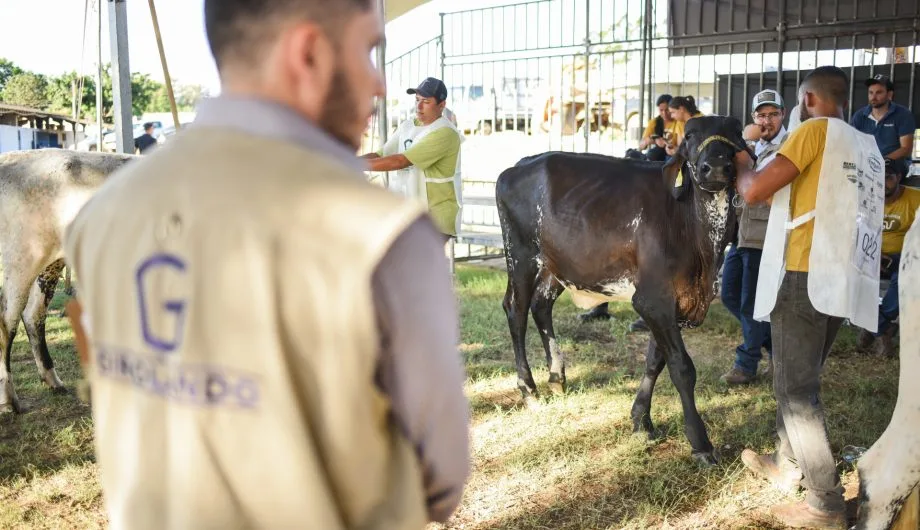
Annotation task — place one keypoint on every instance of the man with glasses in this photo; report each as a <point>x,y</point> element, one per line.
<point>742,263</point>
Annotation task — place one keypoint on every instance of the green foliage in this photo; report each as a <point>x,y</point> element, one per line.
<point>57,93</point>
<point>26,89</point>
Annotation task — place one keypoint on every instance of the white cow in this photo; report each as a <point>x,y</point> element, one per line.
<point>890,469</point>
<point>40,194</point>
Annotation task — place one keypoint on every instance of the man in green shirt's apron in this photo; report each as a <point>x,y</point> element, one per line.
<point>424,153</point>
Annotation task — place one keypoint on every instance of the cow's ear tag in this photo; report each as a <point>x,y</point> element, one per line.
<point>679,181</point>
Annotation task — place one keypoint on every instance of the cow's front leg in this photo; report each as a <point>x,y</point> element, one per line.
<point>642,406</point>
<point>659,313</point>
<point>546,292</point>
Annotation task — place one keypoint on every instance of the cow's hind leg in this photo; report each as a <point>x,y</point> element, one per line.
<point>521,279</point>
<point>545,294</point>
<point>659,311</point>
<point>33,319</point>
<point>642,406</point>
<point>15,294</point>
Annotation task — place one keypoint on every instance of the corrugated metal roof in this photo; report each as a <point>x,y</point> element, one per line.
<point>6,108</point>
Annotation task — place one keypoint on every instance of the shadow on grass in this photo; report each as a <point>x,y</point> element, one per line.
<point>614,478</point>
<point>54,430</point>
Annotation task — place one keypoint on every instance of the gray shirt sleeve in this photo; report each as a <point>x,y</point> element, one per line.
<point>420,367</point>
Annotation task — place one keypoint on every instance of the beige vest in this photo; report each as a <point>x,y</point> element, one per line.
<point>227,283</point>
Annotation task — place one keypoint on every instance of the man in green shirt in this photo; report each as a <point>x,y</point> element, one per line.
<point>424,153</point>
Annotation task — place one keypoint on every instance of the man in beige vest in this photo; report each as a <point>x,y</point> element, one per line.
<point>272,339</point>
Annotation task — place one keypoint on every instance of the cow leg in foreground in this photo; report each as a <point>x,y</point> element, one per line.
<point>545,294</point>
<point>521,280</point>
<point>33,319</point>
<point>13,300</point>
<point>659,312</point>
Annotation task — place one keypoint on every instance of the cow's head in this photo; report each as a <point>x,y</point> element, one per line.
<point>706,156</point>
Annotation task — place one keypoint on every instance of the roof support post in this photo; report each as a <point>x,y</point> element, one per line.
<point>121,76</point>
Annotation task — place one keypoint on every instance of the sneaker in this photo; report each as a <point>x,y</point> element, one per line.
<point>638,325</point>
<point>802,515</point>
<point>865,341</point>
<point>736,377</point>
<point>598,313</point>
<point>765,467</point>
<point>887,345</point>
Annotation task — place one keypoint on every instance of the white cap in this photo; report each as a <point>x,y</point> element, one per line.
<point>766,97</point>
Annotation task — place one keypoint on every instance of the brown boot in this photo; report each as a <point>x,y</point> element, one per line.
<point>801,515</point>
<point>736,377</point>
<point>765,467</point>
<point>864,342</point>
<point>887,344</point>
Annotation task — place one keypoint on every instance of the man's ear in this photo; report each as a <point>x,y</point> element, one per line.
<point>674,176</point>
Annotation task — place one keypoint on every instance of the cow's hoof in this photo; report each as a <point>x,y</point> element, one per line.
<point>531,398</point>
<point>708,459</point>
<point>51,379</point>
<point>557,384</point>
<point>649,437</point>
<point>11,407</point>
<point>59,390</point>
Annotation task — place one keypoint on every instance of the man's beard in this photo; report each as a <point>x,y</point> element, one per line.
<point>879,105</point>
<point>339,111</point>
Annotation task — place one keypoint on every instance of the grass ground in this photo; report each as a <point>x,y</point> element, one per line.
<point>572,462</point>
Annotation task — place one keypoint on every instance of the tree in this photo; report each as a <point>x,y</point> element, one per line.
<point>26,89</point>
<point>188,96</point>
<point>7,70</point>
<point>143,91</point>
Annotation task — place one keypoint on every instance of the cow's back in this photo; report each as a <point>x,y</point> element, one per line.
<point>42,190</point>
<point>586,182</point>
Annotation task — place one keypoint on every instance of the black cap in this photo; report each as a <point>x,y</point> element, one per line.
<point>897,167</point>
<point>880,79</point>
<point>430,88</point>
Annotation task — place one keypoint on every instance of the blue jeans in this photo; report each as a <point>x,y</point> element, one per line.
<point>888,309</point>
<point>739,285</point>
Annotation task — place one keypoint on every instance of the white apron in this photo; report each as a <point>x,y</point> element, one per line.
<point>411,181</point>
<point>843,271</point>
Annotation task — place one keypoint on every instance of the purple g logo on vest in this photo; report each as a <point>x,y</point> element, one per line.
<point>152,275</point>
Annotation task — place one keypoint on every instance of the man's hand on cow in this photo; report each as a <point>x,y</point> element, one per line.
<point>752,132</point>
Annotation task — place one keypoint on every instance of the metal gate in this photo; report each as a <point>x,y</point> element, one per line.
<point>583,75</point>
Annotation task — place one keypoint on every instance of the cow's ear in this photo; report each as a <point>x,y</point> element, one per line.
<point>674,176</point>
<point>737,137</point>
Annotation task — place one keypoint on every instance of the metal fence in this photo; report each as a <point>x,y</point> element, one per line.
<point>583,75</point>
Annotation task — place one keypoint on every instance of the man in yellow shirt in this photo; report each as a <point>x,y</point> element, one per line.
<point>901,204</point>
<point>801,334</point>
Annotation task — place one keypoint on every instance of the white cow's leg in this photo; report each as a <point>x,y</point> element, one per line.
<point>33,319</point>
<point>890,469</point>
<point>13,301</point>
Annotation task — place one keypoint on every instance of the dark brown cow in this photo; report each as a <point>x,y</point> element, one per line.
<point>596,224</point>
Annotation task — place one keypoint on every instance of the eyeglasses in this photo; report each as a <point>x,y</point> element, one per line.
<point>770,116</point>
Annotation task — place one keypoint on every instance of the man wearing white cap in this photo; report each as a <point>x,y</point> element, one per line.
<point>742,263</point>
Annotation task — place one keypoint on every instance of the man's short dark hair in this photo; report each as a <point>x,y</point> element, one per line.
<point>148,125</point>
<point>830,83</point>
<point>239,29</point>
